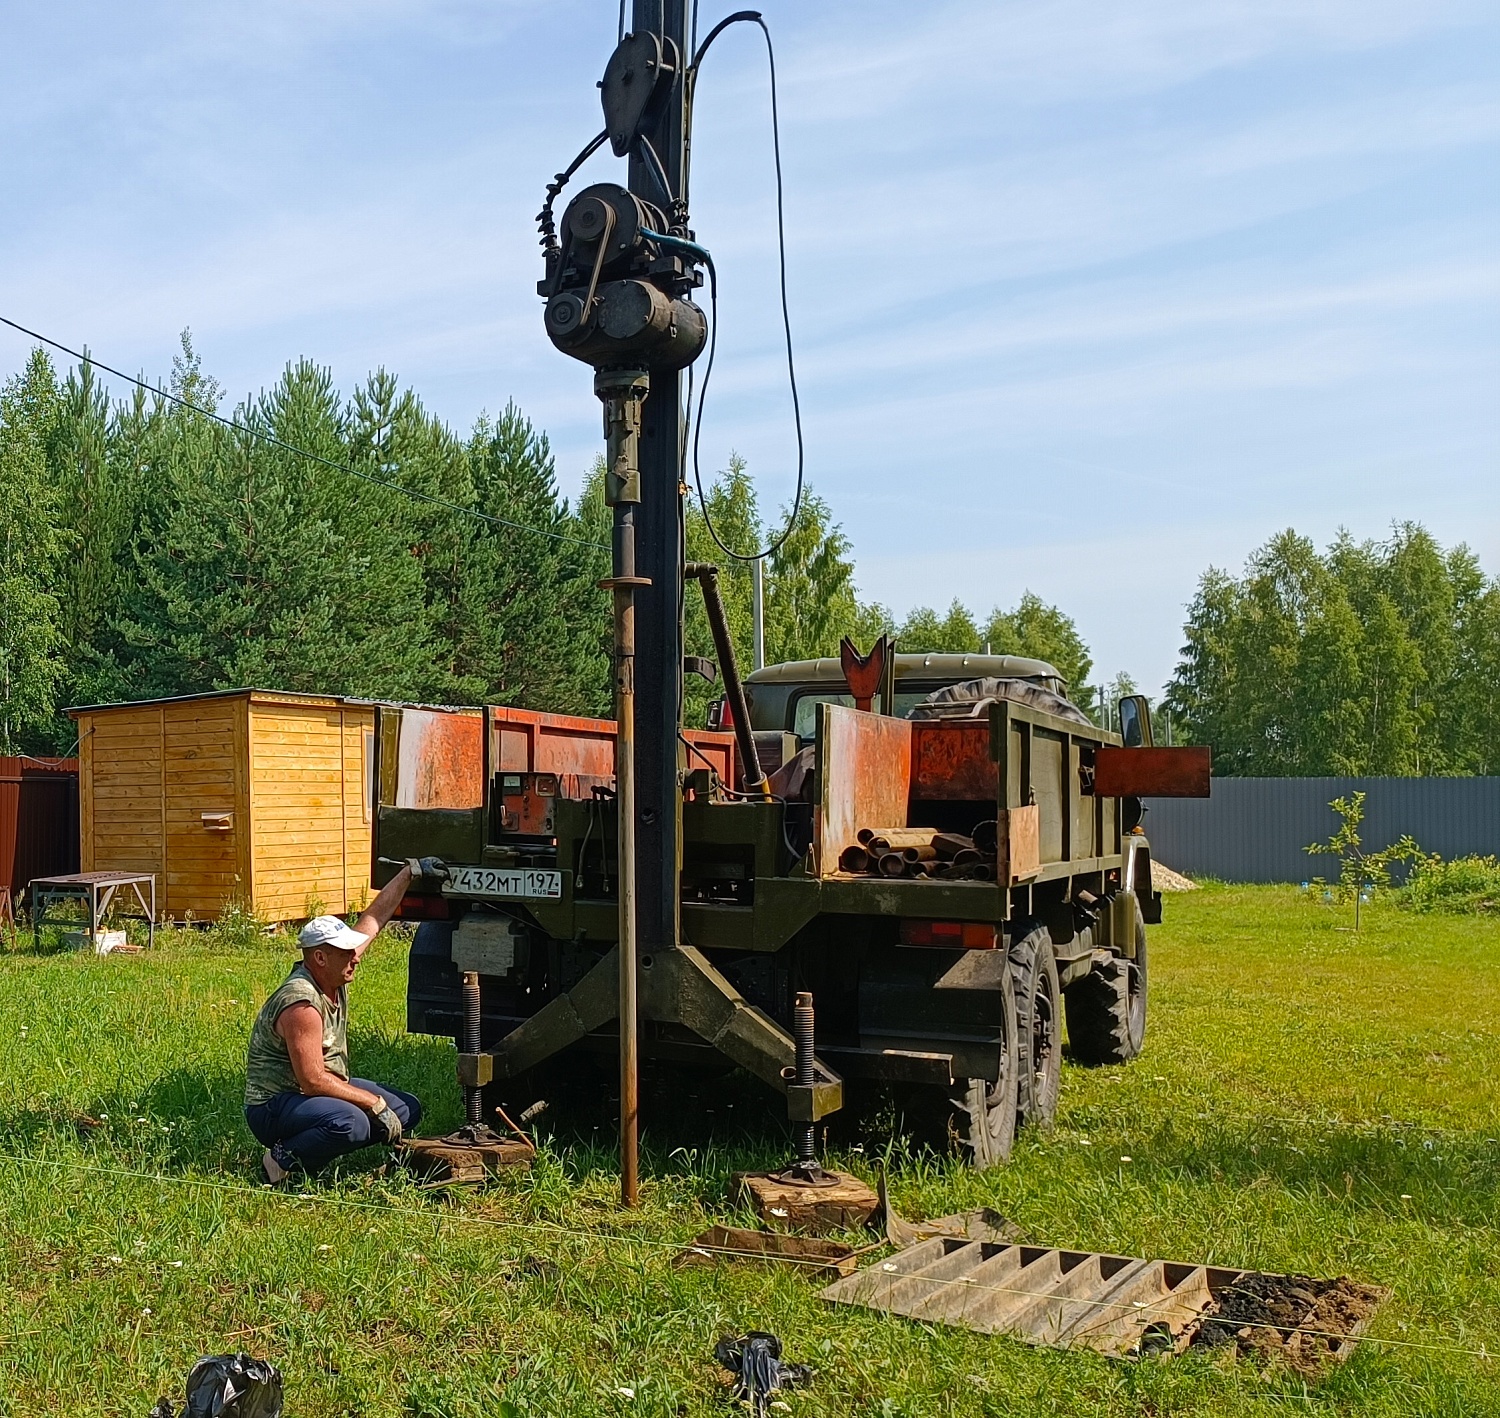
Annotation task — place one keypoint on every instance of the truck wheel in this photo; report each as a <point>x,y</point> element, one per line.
<point>1107,1008</point>
<point>1033,968</point>
<point>985,1116</point>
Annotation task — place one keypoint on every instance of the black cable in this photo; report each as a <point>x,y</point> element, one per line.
<point>752,17</point>
<point>544,221</point>
<point>281,443</point>
<point>657,170</point>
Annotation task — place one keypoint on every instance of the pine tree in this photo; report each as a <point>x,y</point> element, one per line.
<point>31,545</point>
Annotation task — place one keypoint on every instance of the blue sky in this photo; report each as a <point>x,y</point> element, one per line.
<point>1087,296</point>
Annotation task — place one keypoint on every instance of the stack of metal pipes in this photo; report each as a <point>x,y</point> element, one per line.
<point>923,851</point>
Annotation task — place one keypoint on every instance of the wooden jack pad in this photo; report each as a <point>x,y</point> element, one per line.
<point>841,1203</point>
<point>457,1159</point>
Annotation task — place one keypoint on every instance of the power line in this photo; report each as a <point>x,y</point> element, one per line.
<point>751,17</point>
<point>271,439</point>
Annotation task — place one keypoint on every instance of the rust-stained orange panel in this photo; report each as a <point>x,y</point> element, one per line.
<point>718,749</point>
<point>1152,772</point>
<point>864,778</point>
<point>950,761</point>
<point>440,760</point>
<point>526,741</point>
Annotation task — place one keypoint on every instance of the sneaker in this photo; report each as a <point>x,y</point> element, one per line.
<point>276,1164</point>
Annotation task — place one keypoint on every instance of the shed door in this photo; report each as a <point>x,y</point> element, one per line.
<point>201,824</point>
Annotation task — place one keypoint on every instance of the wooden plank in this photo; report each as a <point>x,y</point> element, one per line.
<point>292,829</point>
<point>165,849</point>
<point>86,793</point>
<point>244,858</point>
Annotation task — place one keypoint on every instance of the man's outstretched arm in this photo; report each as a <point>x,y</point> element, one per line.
<point>374,918</point>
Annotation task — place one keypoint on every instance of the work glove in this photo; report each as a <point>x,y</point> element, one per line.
<point>385,1123</point>
<point>430,868</point>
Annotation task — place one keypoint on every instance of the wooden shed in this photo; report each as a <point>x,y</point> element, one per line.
<point>246,795</point>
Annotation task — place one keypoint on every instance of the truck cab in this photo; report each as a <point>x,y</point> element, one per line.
<point>784,698</point>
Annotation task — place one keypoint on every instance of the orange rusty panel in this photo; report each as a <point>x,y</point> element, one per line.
<point>864,778</point>
<point>440,760</point>
<point>950,761</point>
<point>718,749</point>
<point>1152,772</point>
<point>526,741</point>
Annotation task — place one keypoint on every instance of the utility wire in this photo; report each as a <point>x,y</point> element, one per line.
<point>275,442</point>
<point>751,17</point>
<point>648,1242</point>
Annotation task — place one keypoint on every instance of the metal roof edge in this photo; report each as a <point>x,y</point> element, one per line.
<point>270,696</point>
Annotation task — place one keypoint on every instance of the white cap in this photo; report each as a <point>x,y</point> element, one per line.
<point>329,931</point>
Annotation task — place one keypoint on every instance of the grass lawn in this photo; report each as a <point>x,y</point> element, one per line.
<point>1309,1100</point>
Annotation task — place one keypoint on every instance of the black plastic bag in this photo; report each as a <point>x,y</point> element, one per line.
<point>229,1386</point>
<point>755,1361</point>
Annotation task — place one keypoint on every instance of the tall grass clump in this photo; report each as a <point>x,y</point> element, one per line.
<point>1467,886</point>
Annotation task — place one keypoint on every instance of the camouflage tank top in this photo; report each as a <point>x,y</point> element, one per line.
<point>268,1065</point>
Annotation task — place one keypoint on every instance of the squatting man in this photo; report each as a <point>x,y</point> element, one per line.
<point>300,1101</point>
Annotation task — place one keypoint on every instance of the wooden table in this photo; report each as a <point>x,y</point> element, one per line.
<point>96,889</point>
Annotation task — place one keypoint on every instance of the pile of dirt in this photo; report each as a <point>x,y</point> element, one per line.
<point>1165,879</point>
<point>1302,1321</point>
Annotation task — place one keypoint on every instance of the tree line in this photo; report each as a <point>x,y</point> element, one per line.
<point>1370,658</point>
<point>148,550</point>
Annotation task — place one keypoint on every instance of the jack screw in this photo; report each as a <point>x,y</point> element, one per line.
<point>802,1038</point>
<point>473,1097</point>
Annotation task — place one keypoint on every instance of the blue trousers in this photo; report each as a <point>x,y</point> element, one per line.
<point>316,1130</point>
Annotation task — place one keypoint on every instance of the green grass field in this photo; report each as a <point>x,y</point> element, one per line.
<point>1309,1100</point>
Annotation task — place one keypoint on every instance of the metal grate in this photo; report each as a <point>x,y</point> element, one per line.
<point>1118,1305</point>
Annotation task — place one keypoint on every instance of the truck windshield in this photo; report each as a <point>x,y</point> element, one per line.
<point>805,713</point>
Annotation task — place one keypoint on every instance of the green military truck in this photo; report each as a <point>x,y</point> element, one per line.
<point>948,982</point>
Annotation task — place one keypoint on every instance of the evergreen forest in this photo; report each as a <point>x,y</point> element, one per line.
<point>149,550</point>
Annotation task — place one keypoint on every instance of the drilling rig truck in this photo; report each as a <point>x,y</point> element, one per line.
<point>935,876</point>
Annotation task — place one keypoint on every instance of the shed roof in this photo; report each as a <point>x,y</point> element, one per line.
<point>269,696</point>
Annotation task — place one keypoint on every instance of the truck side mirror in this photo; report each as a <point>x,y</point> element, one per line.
<point>1135,721</point>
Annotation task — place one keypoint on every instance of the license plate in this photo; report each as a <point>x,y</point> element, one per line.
<point>504,883</point>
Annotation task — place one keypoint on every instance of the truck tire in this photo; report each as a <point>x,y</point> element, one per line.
<point>1033,968</point>
<point>1107,1008</point>
<point>985,1116</point>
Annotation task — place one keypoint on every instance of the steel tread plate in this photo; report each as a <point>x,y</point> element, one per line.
<point>1034,1293</point>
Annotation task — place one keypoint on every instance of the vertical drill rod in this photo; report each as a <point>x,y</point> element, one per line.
<point>623,392</point>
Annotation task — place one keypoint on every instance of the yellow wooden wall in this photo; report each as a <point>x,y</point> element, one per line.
<point>154,782</point>
<point>311,838</point>
<point>290,772</point>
